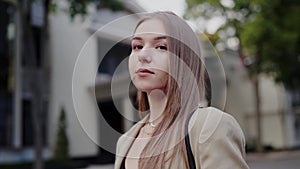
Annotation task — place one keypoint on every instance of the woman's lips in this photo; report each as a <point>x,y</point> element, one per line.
<point>144,72</point>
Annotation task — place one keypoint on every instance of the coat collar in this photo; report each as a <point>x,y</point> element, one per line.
<point>126,140</point>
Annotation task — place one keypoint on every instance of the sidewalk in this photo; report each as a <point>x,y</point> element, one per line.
<point>274,156</point>
<point>274,160</point>
<point>107,166</point>
<point>271,160</point>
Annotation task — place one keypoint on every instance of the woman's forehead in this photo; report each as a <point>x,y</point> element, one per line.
<point>154,26</point>
<point>149,36</point>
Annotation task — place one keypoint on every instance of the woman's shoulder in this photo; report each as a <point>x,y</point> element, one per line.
<point>217,137</point>
<point>211,122</point>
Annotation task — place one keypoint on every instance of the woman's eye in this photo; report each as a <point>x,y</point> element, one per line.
<point>162,47</point>
<point>137,47</point>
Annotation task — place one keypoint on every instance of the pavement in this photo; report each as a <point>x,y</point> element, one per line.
<point>272,160</point>
<point>280,155</point>
<point>107,166</point>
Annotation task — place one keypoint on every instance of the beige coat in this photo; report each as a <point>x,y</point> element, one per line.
<point>217,141</point>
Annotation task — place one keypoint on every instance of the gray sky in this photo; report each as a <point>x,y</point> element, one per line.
<point>176,6</point>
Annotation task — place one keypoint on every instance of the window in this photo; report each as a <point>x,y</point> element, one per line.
<point>27,123</point>
<point>7,40</point>
<point>112,59</point>
<point>295,102</point>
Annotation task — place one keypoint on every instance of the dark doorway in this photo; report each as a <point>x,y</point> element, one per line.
<point>115,120</point>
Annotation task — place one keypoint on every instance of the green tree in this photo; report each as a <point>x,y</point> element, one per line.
<point>268,35</point>
<point>61,149</point>
<point>79,7</point>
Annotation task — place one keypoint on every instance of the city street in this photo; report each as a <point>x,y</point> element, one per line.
<point>109,166</point>
<point>274,160</point>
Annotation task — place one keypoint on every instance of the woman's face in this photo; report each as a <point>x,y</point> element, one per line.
<point>149,58</point>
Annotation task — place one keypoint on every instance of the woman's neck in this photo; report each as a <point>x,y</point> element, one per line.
<point>157,102</point>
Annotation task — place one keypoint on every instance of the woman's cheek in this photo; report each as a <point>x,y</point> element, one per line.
<point>131,66</point>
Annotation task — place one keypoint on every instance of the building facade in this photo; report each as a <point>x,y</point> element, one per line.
<point>83,70</point>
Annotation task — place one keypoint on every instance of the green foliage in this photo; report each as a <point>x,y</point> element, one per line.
<point>274,37</point>
<point>52,7</point>
<point>114,5</point>
<point>268,31</point>
<point>61,149</point>
<point>79,7</point>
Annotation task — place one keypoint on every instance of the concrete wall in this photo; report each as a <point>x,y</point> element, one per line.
<point>66,40</point>
<point>240,103</point>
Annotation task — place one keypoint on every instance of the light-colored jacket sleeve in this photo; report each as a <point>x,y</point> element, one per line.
<point>221,143</point>
<point>118,155</point>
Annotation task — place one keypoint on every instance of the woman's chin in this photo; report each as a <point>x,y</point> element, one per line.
<point>145,89</point>
<point>150,89</point>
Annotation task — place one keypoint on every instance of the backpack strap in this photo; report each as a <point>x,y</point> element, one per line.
<point>191,159</point>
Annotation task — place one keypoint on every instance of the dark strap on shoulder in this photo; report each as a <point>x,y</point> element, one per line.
<point>191,159</point>
<point>123,163</point>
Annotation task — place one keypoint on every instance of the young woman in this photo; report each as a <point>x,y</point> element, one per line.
<point>166,68</point>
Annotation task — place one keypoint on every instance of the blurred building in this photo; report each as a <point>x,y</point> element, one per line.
<point>53,66</point>
<point>279,107</point>
<point>19,67</point>
<point>79,81</point>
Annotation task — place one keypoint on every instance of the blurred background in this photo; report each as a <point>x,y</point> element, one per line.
<point>257,41</point>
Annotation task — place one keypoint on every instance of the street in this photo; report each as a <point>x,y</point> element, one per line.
<point>281,164</point>
<point>274,160</point>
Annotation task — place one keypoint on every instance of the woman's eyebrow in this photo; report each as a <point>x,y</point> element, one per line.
<point>156,38</point>
<point>137,38</point>
<point>160,38</point>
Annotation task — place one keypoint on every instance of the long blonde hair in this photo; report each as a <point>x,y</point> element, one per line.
<point>185,90</point>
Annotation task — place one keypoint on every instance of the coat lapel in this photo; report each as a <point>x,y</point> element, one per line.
<point>127,140</point>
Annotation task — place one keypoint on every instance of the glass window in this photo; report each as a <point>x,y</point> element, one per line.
<point>27,123</point>
<point>7,41</point>
<point>112,59</point>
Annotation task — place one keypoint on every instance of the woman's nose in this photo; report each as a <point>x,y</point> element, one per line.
<point>145,55</point>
